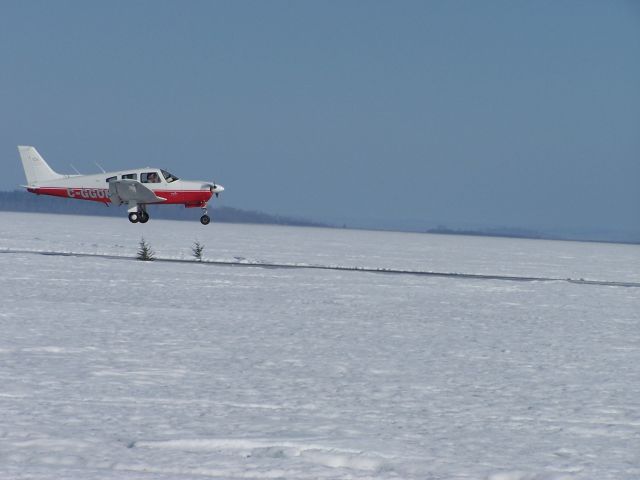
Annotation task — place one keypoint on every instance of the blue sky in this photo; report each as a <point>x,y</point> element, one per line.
<point>463,113</point>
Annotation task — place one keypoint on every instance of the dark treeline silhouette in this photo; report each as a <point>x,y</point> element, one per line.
<point>19,201</point>
<point>489,232</point>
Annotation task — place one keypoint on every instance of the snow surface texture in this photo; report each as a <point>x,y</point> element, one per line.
<point>120,369</point>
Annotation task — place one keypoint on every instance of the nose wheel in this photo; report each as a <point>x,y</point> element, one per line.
<point>134,217</point>
<point>205,219</point>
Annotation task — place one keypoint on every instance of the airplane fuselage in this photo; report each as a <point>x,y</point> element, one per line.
<point>96,187</point>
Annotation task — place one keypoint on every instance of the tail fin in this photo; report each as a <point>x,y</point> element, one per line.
<point>35,168</point>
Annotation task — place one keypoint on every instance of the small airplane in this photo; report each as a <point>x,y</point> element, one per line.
<point>135,188</point>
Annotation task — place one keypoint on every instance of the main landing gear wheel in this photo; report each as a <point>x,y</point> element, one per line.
<point>204,219</point>
<point>134,217</point>
<point>144,217</point>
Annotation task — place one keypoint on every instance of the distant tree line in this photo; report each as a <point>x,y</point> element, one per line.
<point>20,201</point>
<point>489,232</point>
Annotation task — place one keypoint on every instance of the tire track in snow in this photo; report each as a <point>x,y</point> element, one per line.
<point>342,268</point>
<point>332,457</point>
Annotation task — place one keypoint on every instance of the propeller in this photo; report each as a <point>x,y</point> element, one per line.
<point>214,188</point>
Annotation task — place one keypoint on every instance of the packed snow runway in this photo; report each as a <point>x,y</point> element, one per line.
<point>111,368</point>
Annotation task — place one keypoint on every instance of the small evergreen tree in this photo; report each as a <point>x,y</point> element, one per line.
<point>145,253</point>
<point>197,250</point>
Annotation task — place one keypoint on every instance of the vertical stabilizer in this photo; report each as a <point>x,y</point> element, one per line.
<point>35,168</point>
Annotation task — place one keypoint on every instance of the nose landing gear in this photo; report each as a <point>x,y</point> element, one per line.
<point>205,219</point>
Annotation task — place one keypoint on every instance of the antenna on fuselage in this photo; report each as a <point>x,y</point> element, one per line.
<point>75,169</point>
<point>100,167</point>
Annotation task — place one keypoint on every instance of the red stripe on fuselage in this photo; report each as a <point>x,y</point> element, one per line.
<point>188,198</point>
<point>194,198</point>
<point>92,194</point>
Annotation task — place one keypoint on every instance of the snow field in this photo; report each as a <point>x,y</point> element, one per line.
<point>120,369</point>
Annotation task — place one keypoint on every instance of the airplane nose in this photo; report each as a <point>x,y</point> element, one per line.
<point>216,189</point>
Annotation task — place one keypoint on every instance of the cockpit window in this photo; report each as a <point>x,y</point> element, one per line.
<point>150,177</point>
<point>169,177</point>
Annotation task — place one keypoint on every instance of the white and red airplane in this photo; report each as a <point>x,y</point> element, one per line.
<point>136,188</point>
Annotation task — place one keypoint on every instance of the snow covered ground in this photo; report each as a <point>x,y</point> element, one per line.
<point>113,368</point>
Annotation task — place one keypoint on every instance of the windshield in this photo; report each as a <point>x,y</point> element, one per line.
<point>168,177</point>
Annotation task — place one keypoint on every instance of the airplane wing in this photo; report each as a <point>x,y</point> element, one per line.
<point>131,191</point>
